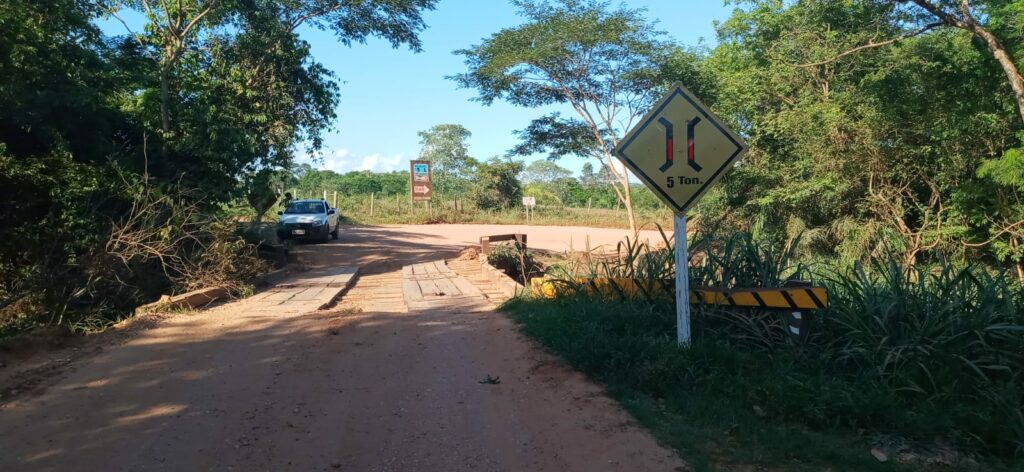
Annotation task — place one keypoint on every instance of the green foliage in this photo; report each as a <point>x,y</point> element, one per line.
<point>118,155</point>
<point>544,171</point>
<point>868,151</point>
<point>446,148</point>
<point>697,400</point>
<point>921,354</point>
<point>312,183</point>
<point>260,192</point>
<point>517,261</point>
<point>497,184</point>
<point>602,61</point>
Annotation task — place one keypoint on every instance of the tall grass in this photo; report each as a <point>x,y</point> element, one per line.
<point>925,352</point>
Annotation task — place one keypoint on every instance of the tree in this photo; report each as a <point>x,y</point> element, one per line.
<point>985,20</point>
<point>602,62</point>
<point>219,88</point>
<point>445,146</point>
<point>260,192</point>
<point>544,171</point>
<point>497,184</point>
<point>587,175</point>
<point>871,154</point>
<point>235,72</point>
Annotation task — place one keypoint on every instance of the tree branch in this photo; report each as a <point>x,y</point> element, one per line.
<point>1001,232</point>
<point>939,13</point>
<point>872,45</point>
<point>304,18</point>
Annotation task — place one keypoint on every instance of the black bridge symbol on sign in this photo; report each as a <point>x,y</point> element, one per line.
<point>670,144</point>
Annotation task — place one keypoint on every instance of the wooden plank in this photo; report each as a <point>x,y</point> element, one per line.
<point>309,294</point>
<point>411,291</point>
<point>280,295</point>
<point>446,286</point>
<point>443,268</point>
<point>467,288</point>
<point>428,287</point>
<point>431,268</point>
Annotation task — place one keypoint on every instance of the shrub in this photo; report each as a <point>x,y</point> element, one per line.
<point>924,352</point>
<point>115,252</point>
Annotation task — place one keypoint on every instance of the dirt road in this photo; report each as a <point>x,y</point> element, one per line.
<point>367,386</point>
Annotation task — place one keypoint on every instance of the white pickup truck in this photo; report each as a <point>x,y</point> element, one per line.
<point>308,219</point>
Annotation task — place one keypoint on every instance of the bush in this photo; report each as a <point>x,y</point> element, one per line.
<point>923,353</point>
<point>117,246</point>
<point>497,184</point>
<point>516,261</point>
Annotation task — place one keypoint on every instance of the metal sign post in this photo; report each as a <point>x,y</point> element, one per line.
<point>682,281</point>
<point>679,150</point>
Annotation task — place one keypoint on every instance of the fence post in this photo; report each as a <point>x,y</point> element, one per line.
<point>335,199</point>
<point>371,204</point>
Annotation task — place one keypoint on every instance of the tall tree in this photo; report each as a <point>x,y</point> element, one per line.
<point>544,171</point>
<point>602,62</point>
<point>875,152</point>
<point>992,22</point>
<point>268,80</point>
<point>446,146</point>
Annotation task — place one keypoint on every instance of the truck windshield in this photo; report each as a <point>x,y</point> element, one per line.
<point>304,207</point>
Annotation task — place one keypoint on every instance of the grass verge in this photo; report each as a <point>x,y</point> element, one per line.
<point>722,405</point>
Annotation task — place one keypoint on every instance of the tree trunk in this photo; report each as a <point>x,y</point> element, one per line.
<point>969,23</point>
<point>1004,60</point>
<point>628,197</point>
<point>1019,263</point>
<point>165,113</point>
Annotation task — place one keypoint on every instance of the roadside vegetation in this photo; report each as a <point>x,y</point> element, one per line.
<point>924,367</point>
<point>885,163</point>
<point>124,159</point>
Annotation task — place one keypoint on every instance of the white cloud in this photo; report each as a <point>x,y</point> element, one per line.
<point>342,160</point>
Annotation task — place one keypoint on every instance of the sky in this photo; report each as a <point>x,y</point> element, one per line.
<point>387,95</point>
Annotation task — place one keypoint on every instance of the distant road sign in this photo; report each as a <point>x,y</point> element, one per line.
<point>421,180</point>
<point>680,149</point>
<point>529,201</point>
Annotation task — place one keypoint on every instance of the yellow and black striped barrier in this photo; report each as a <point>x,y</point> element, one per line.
<point>786,298</point>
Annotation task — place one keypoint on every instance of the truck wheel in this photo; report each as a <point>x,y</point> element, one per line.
<point>334,234</point>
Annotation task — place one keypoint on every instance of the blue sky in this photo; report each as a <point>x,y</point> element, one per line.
<point>388,95</point>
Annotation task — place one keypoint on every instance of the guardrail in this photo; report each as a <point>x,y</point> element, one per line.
<point>485,241</point>
<point>797,298</point>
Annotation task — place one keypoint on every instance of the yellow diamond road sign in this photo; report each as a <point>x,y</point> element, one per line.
<point>679,149</point>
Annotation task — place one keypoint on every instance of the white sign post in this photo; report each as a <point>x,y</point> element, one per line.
<point>682,281</point>
<point>529,203</point>
<point>679,149</point>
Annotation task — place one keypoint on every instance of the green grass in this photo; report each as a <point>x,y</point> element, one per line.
<point>927,358</point>
<point>701,401</point>
<point>690,399</point>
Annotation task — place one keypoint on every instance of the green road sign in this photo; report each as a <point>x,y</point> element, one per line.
<point>679,149</point>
